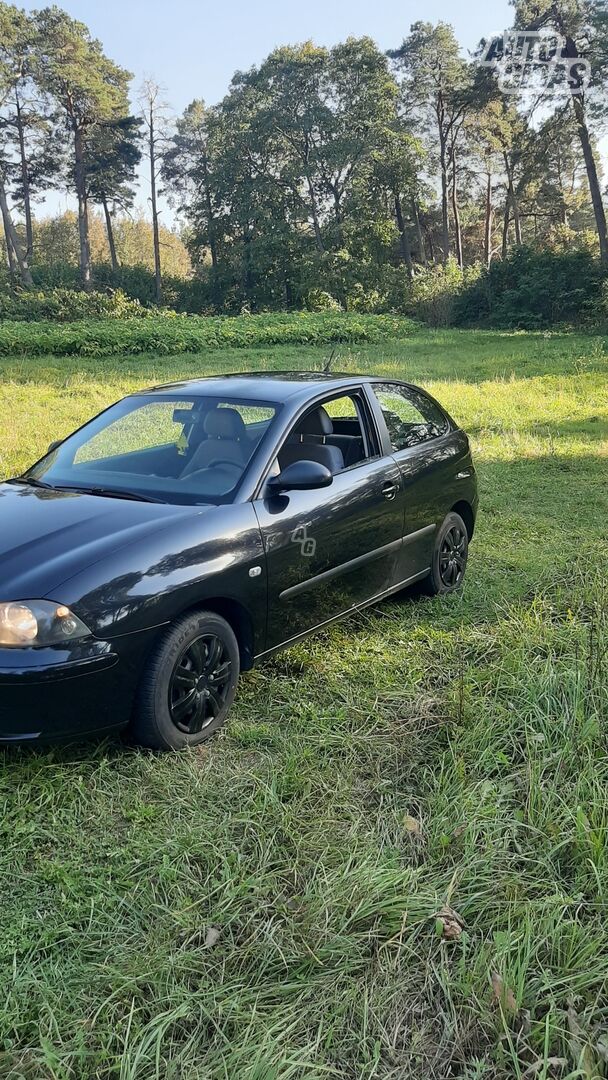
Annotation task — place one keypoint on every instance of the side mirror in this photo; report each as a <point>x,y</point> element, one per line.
<point>301,476</point>
<point>54,445</point>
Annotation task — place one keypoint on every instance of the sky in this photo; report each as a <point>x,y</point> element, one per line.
<point>193,48</point>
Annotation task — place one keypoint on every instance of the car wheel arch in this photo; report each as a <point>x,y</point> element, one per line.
<point>465,511</point>
<point>238,618</point>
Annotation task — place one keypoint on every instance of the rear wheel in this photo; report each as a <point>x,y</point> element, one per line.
<point>189,683</point>
<point>450,556</point>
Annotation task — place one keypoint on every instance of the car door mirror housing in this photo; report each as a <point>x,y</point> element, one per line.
<point>301,476</point>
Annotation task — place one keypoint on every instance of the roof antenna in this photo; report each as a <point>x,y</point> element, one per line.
<point>328,363</point>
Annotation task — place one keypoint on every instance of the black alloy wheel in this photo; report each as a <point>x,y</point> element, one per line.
<point>200,683</point>
<point>189,683</point>
<point>449,558</point>
<point>453,557</point>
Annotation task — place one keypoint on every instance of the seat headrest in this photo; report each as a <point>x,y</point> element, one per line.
<point>224,424</point>
<point>316,422</point>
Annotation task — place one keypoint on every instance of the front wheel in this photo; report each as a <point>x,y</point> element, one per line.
<point>450,555</point>
<point>189,683</point>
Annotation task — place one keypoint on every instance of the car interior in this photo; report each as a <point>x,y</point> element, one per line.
<point>336,442</point>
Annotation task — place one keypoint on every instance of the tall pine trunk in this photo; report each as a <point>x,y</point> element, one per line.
<point>512,202</point>
<point>456,212</point>
<point>406,250</point>
<point>416,220</point>
<point>212,236</point>
<point>445,221</point>
<point>487,232</point>
<point>25,183</point>
<point>153,198</point>
<point>110,233</point>
<point>12,239</point>
<point>592,175</point>
<point>83,210</point>
<point>578,104</point>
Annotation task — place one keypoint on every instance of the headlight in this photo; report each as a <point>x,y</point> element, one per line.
<point>38,622</point>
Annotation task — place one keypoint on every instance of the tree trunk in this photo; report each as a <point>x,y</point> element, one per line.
<point>153,198</point>
<point>571,52</point>
<point>110,231</point>
<point>445,222</point>
<point>247,270</point>
<point>592,176</point>
<point>487,240</point>
<point>506,221</point>
<point>83,210</point>
<point>25,181</point>
<point>211,235</point>
<point>416,219</point>
<point>315,215</point>
<point>456,212</point>
<point>10,254</point>
<point>12,239</point>
<point>403,237</point>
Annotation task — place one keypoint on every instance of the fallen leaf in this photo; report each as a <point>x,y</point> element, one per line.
<point>504,995</point>
<point>448,923</point>
<point>411,825</point>
<point>212,937</point>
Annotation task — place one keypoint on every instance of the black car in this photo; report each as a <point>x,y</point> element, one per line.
<point>192,529</point>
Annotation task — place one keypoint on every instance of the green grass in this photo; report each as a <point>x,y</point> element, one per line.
<point>482,717</point>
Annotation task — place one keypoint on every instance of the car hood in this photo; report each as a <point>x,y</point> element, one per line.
<point>48,536</point>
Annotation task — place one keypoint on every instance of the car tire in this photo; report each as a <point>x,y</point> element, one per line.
<point>450,554</point>
<point>189,683</point>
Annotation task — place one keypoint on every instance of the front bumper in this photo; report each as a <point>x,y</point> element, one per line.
<point>60,692</point>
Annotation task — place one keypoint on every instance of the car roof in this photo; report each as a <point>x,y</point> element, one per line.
<point>264,385</point>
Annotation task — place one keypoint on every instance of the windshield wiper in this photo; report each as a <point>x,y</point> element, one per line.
<point>31,481</point>
<point>110,493</point>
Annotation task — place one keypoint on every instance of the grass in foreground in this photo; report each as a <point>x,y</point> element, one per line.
<point>426,752</point>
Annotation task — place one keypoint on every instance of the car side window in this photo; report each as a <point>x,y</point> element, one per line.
<point>335,432</point>
<point>410,416</point>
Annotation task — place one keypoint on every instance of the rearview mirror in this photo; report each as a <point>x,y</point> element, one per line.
<point>301,476</point>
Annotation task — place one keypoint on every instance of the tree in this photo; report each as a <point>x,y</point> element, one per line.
<point>113,155</point>
<point>437,87</point>
<point>187,169</point>
<point>91,90</point>
<point>583,26</point>
<point>155,115</point>
<point>14,33</point>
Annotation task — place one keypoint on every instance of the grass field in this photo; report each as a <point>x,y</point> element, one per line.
<point>426,753</point>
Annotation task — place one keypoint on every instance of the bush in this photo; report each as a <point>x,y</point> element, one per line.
<point>434,291</point>
<point>533,289</point>
<point>170,334</point>
<point>67,305</point>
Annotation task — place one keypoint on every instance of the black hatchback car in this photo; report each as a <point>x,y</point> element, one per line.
<point>190,530</point>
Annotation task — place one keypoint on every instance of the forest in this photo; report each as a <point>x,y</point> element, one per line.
<point>340,178</point>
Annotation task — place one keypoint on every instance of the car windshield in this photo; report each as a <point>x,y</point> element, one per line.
<point>176,450</point>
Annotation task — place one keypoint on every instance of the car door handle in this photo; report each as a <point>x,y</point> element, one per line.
<point>389,490</point>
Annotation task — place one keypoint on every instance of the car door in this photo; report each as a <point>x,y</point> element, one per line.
<point>426,448</point>
<point>331,548</point>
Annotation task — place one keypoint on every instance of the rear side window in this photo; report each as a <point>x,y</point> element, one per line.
<point>410,416</point>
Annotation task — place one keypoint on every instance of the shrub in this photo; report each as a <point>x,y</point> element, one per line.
<point>533,289</point>
<point>435,290</point>
<point>169,333</point>
<point>67,305</point>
